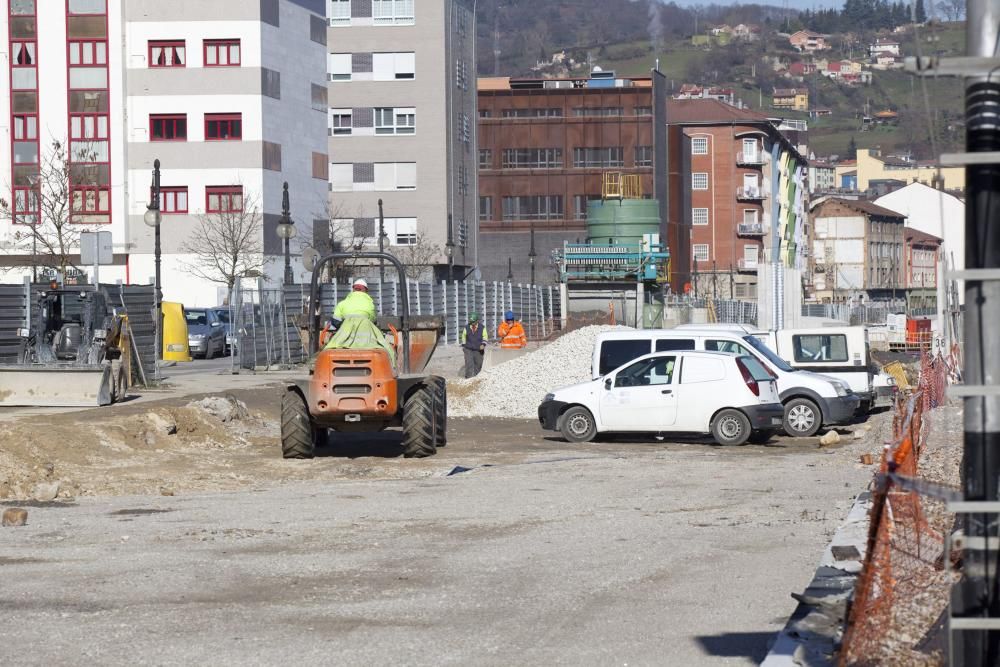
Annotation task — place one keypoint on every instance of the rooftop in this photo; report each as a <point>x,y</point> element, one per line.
<point>710,111</point>
<point>861,206</point>
<point>920,237</point>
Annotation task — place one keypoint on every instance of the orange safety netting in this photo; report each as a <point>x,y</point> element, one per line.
<point>902,547</point>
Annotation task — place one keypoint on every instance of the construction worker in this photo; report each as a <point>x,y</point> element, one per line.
<point>511,333</point>
<point>473,339</point>
<point>354,318</point>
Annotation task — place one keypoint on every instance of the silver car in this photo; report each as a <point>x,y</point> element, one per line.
<point>206,334</point>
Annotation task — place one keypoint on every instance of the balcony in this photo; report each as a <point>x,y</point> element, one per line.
<point>755,193</point>
<point>750,159</point>
<point>750,229</point>
<point>748,265</point>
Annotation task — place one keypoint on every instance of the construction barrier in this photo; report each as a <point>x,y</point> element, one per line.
<point>903,557</point>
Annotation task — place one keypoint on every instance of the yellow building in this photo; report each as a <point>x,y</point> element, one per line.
<point>871,166</point>
<point>791,98</point>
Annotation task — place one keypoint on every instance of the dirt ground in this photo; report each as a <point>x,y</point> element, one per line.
<point>230,441</point>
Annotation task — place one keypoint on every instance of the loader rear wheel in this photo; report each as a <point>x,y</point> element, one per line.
<point>420,424</point>
<point>298,436</point>
<point>441,406</point>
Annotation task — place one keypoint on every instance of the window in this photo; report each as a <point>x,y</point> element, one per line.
<point>644,156</point>
<point>819,347</point>
<point>88,7</point>
<point>89,53</point>
<point>395,121</point>
<point>598,157</point>
<point>674,344</point>
<point>485,158</point>
<point>615,353</point>
<point>89,200</point>
<point>534,207</point>
<point>597,111</point>
<point>749,216</point>
<point>699,251</point>
<point>644,111</point>
<point>401,231</point>
<point>393,66</point>
<point>168,127</point>
<point>648,372</point>
<point>531,113</point>
<point>224,199</point>
<point>532,158</point>
<point>222,53</point>
<point>339,67</point>
<point>174,200</point>
<point>750,255</point>
<point>23,66</point>
<point>319,101</point>
<point>25,127</point>
<point>392,12</point>
<point>699,181</point>
<point>580,205</point>
<point>732,347</point>
<point>340,12</point>
<point>88,135</point>
<point>699,216</point>
<point>26,206</point>
<point>485,209</point>
<point>22,7</point>
<point>461,74</point>
<point>317,30</point>
<point>699,146</point>
<point>321,166</point>
<point>223,127</point>
<point>271,158</point>
<point>485,113</point>
<point>340,121</point>
<point>167,54</point>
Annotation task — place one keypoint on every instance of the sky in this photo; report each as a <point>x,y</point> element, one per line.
<point>792,4</point>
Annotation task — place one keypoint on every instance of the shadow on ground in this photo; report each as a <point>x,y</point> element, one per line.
<point>752,645</point>
<point>384,444</point>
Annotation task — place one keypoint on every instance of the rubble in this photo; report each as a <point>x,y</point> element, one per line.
<point>14,517</point>
<point>515,388</point>
<point>224,408</point>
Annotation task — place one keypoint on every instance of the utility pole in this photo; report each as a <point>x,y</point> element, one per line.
<point>381,247</point>
<point>532,254</point>
<point>975,601</point>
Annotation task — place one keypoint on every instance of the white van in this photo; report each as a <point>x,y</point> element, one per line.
<point>811,400</point>
<point>733,397</point>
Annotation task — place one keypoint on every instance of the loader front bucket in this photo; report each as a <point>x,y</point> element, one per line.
<point>55,386</point>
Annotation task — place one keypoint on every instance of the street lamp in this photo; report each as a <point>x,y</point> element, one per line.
<point>287,231</point>
<point>152,218</point>
<point>532,254</point>
<point>449,250</point>
<point>381,245</point>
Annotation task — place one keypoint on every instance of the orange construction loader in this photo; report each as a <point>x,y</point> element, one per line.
<point>362,391</point>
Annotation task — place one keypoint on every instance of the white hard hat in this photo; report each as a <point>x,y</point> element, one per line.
<point>360,282</point>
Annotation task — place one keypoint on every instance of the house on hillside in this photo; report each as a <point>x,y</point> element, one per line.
<point>747,32</point>
<point>693,91</point>
<point>791,98</point>
<point>721,30</point>
<point>884,45</point>
<point>884,61</point>
<point>808,41</point>
<point>801,69</point>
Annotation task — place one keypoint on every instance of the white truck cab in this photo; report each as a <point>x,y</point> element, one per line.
<point>811,400</point>
<point>733,397</point>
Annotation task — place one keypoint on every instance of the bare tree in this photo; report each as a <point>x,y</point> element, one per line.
<point>953,10</point>
<point>345,231</point>
<point>229,245</point>
<point>44,210</point>
<point>419,257</point>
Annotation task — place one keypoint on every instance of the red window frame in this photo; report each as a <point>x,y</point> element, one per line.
<point>20,127</point>
<point>95,119</point>
<point>165,118</point>
<point>18,213</point>
<point>86,189</point>
<point>70,12</point>
<point>13,46</point>
<point>232,123</point>
<point>87,45</point>
<point>222,46</point>
<point>166,44</point>
<point>34,13</point>
<point>168,200</point>
<point>227,195</point>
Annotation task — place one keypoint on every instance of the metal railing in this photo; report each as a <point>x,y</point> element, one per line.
<point>750,229</point>
<point>754,158</point>
<point>751,194</point>
<point>744,264</point>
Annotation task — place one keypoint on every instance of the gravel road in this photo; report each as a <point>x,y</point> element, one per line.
<point>613,553</point>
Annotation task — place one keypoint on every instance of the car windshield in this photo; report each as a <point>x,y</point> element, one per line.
<point>766,352</point>
<point>196,317</point>
<point>223,316</point>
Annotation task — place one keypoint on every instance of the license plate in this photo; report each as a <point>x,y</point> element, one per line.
<point>776,421</point>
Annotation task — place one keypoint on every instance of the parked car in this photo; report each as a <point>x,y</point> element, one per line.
<point>811,400</point>
<point>223,313</point>
<point>206,335</point>
<point>733,397</point>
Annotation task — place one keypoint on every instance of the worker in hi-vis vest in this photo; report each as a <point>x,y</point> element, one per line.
<point>473,340</point>
<point>354,318</point>
<point>511,333</point>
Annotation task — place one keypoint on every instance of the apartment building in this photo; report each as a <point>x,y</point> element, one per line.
<point>872,165</point>
<point>402,129</point>
<point>857,250</point>
<point>544,148</point>
<point>228,95</point>
<point>921,252</point>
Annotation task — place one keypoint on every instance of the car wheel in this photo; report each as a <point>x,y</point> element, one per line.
<point>731,427</point>
<point>578,425</point>
<point>802,418</point>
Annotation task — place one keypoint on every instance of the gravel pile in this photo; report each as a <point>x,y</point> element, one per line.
<point>515,388</point>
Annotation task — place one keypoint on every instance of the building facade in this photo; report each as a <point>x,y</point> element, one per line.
<point>871,165</point>
<point>921,251</point>
<point>796,99</point>
<point>402,129</point>
<point>857,251</point>
<point>208,89</point>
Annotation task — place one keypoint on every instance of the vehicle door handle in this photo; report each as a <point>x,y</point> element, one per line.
<point>667,391</point>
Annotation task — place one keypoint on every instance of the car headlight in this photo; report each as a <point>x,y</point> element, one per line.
<point>197,337</point>
<point>841,389</point>
<point>549,397</point>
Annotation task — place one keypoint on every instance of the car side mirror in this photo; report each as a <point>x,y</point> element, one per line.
<point>216,324</point>
<point>607,383</point>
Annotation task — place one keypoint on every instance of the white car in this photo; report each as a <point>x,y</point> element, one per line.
<point>733,397</point>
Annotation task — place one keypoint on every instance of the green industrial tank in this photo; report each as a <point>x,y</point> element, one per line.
<point>624,221</point>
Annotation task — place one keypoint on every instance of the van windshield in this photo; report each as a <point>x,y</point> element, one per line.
<point>766,352</point>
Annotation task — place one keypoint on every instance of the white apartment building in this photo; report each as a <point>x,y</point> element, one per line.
<point>228,95</point>
<point>402,128</point>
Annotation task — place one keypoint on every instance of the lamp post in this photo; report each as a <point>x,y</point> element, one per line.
<point>532,254</point>
<point>381,245</point>
<point>286,230</point>
<point>449,250</point>
<point>510,269</point>
<point>152,218</point>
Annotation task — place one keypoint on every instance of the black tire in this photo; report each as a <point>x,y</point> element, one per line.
<point>578,425</point>
<point>209,352</point>
<point>298,435</point>
<point>731,427</point>
<point>440,388</point>
<point>420,424</point>
<point>761,437</point>
<point>802,419</point>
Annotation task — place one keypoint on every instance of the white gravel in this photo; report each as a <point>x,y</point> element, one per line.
<point>515,388</point>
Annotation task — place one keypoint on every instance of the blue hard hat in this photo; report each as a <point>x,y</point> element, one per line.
<point>509,315</point>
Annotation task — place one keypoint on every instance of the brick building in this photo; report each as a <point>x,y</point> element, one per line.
<point>921,252</point>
